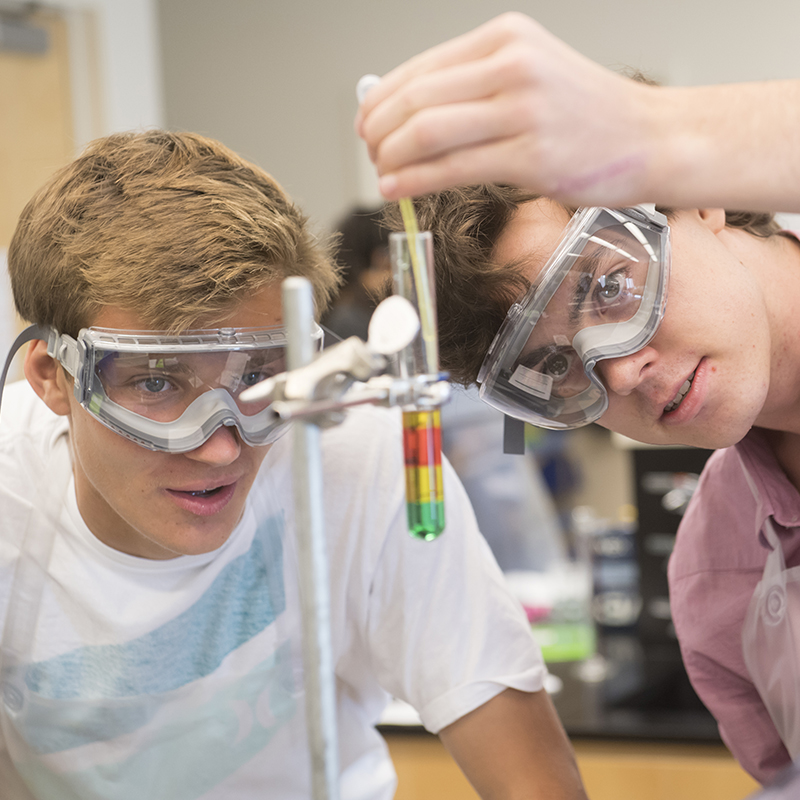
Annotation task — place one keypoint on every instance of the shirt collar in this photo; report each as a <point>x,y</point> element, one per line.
<point>779,498</point>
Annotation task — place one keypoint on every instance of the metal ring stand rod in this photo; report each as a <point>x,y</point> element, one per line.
<point>298,309</point>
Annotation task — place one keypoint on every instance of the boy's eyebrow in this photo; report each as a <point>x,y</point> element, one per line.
<point>535,356</point>
<point>265,356</point>
<point>583,285</point>
<point>158,361</point>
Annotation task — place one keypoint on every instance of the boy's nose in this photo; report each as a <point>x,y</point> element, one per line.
<point>624,374</point>
<point>220,449</point>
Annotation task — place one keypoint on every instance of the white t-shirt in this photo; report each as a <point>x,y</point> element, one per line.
<point>182,679</point>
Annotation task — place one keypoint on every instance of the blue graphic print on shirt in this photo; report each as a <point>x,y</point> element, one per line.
<point>97,694</point>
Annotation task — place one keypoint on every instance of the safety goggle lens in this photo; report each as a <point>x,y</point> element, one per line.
<point>605,285</point>
<point>161,386</point>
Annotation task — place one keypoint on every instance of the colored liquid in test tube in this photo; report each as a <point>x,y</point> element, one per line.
<point>412,266</point>
<point>422,443</point>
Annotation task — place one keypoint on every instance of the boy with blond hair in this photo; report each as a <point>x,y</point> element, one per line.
<point>148,587</point>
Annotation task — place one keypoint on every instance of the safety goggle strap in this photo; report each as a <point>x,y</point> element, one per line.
<point>31,333</point>
<point>65,350</point>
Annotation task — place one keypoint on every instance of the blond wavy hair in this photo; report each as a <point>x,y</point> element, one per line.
<point>174,227</point>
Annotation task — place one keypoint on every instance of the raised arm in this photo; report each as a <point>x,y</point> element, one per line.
<point>514,747</point>
<point>510,103</point>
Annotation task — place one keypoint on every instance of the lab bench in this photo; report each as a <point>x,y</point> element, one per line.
<point>611,770</point>
<point>638,730</point>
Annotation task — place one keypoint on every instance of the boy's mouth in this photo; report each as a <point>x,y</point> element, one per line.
<point>205,492</point>
<point>204,502</point>
<point>682,392</point>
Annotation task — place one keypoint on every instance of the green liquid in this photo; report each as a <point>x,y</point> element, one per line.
<point>425,520</point>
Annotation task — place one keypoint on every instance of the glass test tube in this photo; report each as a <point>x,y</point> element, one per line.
<point>422,432</point>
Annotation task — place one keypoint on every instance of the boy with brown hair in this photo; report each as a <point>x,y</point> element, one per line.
<point>573,299</point>
<point>151,638</point>
<point>669,327</point>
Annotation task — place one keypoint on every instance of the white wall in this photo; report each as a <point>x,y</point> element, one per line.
<point>275,79</point>
<point>116,76</point>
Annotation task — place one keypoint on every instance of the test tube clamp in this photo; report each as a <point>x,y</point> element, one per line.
<point>349,374</point>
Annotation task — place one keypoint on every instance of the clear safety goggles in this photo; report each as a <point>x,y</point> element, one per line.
<point>601,295</point>
<point>170,393</point>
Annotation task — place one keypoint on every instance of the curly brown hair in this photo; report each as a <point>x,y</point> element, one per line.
<point>172,226</point>
<point>473,292</point>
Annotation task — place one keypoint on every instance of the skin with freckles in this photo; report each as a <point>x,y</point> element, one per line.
<point>729,320</point>
<point>134,499</point>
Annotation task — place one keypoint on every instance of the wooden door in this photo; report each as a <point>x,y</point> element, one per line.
<point>35,138</point>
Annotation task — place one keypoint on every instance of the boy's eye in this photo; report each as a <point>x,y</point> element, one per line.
<point>556,365</point>
<point>260,372</point>
<point>153,384</point>
<point>253,377</point>
<point>610,288</point>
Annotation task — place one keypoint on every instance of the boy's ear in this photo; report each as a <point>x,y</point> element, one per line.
<point>47,378</point>
<point>712,218</point>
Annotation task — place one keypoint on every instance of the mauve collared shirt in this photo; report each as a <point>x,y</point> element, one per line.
<point>718,559</point>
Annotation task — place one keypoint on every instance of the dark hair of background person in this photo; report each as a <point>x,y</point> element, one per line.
<point>363,255</point>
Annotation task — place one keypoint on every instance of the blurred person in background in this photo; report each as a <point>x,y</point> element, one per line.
<point>363,253</point>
